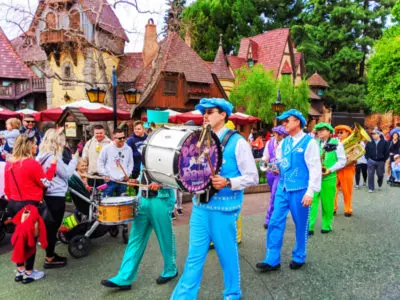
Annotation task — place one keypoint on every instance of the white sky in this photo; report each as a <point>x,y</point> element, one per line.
<point>132,21</point>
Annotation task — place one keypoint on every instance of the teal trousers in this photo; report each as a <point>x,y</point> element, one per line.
<point>154,213</point>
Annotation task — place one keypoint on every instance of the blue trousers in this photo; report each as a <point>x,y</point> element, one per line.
<point>285,201</point>
<point>112,187</point>
<point>206,226</point>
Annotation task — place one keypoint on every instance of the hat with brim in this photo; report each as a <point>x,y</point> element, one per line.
<point>343,127</point>
<point>214,102</point>
<point>320,126</point>
<point>279,130</point>
<point>295,113</point>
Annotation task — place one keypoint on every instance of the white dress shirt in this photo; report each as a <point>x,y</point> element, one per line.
<point>246,165</point>
<point>313,162</point>
<point>265,156</point>
<point>341,157</point>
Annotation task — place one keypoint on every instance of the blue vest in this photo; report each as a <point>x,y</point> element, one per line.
<point>293,168</point>
<point>226,199</point>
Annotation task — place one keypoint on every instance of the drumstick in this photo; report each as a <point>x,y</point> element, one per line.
<point>207,154</point>
<point>122,168</point>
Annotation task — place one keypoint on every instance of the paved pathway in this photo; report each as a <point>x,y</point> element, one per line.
<point>360,259</point>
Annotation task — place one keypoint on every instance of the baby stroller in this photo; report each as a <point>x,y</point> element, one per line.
<point>94,217</point>
<point>6,226</point>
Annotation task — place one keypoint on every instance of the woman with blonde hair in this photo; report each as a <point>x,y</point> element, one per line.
<point>24,184</point>
<point>52,145</point>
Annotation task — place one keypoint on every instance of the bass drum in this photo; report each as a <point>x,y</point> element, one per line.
<point>171,157</point>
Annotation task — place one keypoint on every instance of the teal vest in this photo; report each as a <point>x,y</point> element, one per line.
<point>293,169</point>
<point>226,199</point>
<point>330,159</point>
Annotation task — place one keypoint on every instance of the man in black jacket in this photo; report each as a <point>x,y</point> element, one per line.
<point>376,153</point>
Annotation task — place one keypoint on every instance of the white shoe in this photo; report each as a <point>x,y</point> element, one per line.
<point>370,191</point>
<point>35,275</point>
<point>357,187</point>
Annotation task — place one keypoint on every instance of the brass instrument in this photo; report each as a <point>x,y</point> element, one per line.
<point>352,145</point>
<point>327,148</point>
<point>264,166</point>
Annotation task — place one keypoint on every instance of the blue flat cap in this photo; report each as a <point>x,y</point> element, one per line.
<point>295,113</point>
<point>214,102</point>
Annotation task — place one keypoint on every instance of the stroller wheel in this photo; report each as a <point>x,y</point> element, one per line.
<point>79,246</point>
<point>114,231</point>
<point>125,237</point>
<point>61,237</point>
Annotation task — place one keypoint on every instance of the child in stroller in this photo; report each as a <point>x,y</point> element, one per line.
<point>395,171</point>
<point>78,227</point>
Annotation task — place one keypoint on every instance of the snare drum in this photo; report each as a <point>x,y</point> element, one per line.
<point>170,157</point>
<point>117,210</point>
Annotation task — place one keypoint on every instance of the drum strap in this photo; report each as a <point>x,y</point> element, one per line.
<point>205,197</point>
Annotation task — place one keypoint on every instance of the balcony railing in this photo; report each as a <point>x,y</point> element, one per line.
<point>17,90</point>
<point>53,36</point>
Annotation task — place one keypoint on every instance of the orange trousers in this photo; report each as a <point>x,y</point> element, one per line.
<point>345,179</point>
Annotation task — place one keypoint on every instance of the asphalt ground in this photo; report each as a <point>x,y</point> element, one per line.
<point>359,259</point>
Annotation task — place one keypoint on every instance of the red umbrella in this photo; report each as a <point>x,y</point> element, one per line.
<point>92,111</point>
<point>6,114</point>
<point>243,119</point>
<point>194,116</point>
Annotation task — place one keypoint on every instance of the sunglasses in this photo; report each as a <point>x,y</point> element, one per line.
<point>30,122</point>
<point>340,132</point>
<point>120,138</point>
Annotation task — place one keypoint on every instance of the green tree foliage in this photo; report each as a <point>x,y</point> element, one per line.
<point>256,89</point>
<point>384,70</point>
<point>336,37</point>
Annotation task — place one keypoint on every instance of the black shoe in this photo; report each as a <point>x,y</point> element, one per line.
<point>347,215</point>
<point>110,284</point>
<point>294,265</point>
<point>265,226</point>
<point>212,247</point>
<point>173,216</point>
<point>325,231</point>
<point>310,232</point>
<point>266,267</point>
<point>180,212</point>
<point>56,262</point>
<point>19,275</point>
<point>334,212</point>
<point>162,280</point>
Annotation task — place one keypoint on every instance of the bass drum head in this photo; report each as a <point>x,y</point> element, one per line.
<point>194,173</point>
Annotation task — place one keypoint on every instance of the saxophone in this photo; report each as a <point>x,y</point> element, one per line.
<point>327,148</point>
<point>352,145</point>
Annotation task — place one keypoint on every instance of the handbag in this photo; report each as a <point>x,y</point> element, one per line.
<point>42,206</point>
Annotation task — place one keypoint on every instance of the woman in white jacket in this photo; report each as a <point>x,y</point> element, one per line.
<point>52,144</point>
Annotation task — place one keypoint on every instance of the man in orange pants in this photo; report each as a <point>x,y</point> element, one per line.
<point>345,176</point>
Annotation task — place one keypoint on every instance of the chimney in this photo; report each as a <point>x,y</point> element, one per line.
<point>150,46</point>
<point>188,39</point>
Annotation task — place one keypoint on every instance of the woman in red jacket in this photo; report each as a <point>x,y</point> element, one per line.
<point>24,184</point>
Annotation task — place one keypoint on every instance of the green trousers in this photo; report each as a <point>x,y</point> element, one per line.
<point>327,195</point>
<point>154,213</point>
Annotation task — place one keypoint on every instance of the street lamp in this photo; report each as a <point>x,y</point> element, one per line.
<point>278,106</point>
<point>97,95</point>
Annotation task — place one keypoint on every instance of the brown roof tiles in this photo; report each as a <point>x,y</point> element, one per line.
<point>317,80</point>
<point>219,67</point>
<point>11,65</point>
<point>286,69</point>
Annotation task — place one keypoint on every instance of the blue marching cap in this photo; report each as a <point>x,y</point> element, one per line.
<point>295,113</point>
<point>214,102</point>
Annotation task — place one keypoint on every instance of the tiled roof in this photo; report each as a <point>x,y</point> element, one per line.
<point>11,65</point>
<point>181,58</point>
<point>130,66</point>
<point>317,80</point>
<point>286,69</point>
<point>313,112</point>
<point>236,62</point>
<point>107,21</point>
<point>297,58</point>
<point>30,53</point>
<point>219,67</point>
<point>270,48</point>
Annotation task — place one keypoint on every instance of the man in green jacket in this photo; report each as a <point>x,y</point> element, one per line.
<point>333,158</point>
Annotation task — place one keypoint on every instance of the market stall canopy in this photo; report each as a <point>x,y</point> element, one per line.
<point>28,111</point>
<point>6,114</point>
<point>171,118</point>
<point>92,111</point>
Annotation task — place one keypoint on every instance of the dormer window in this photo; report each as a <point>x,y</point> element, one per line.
<point>51,21</point>
<point>75,20</point>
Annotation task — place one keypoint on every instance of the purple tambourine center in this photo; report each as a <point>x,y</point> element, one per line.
<point>194,171</point>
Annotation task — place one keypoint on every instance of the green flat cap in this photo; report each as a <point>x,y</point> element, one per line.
<point>320,126</point>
